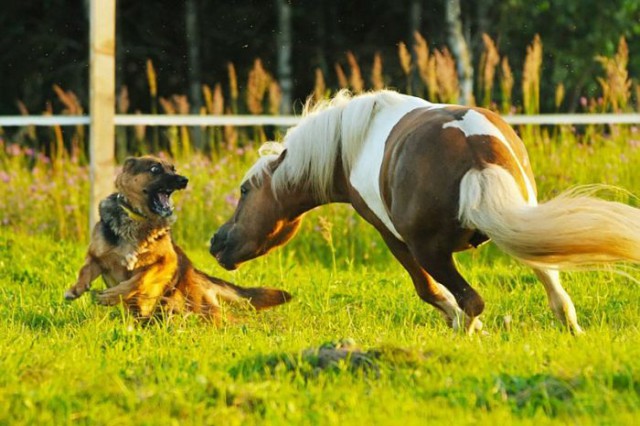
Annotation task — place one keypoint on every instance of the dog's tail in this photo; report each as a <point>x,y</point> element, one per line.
<point>259,297</point>
<point>570,231</point>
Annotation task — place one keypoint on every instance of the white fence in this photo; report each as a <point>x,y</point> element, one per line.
<point>285,120</point>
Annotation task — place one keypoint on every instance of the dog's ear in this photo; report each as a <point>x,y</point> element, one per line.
<point>128,164</point>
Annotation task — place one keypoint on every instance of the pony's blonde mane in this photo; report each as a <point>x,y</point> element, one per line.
<point>337,126</point>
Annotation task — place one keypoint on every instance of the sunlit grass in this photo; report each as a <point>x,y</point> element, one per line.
<point>78,362</point>
<point>81,363</point>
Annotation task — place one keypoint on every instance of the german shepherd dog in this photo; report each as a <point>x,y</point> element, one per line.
<point>143,268</point>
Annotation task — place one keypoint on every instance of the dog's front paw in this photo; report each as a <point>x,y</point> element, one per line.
<point>108,297</point>
<point>71,294</point>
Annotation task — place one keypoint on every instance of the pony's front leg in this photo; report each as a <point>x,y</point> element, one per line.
<point>559,300</point>
<point>430,290</point>
<point>456,318</point>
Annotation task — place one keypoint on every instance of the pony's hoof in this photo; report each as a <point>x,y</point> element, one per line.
<point>473,325</point>
<point>576,330</point>
<point>466,324</point>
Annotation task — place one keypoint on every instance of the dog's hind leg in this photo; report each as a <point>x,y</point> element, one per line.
<point>559,300</point>
<point>89,272</point>
<point>211,308</point>
<point>202,297</point>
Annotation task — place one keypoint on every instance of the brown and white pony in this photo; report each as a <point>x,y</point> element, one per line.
<point>433,179</point>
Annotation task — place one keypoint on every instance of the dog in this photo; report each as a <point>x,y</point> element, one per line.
<point>132,249</point>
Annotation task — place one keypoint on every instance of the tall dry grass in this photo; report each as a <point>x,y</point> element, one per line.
<point>447,77</point>
<point>319,87</point>
<point>152,81</point>
<point>405,64</point>
<point>356,82</point>
<point>489,60</point>
<point>424,71</point>
<point>233,87</point>
<point>377,79</point>
<point>179,137</point>
<point>258,84</point>
<point>437,70</point>
<point>506,85</point>
<point>616,85</point>
<point>426,66</point>
<point>343,83</point>
<point>531,77</point>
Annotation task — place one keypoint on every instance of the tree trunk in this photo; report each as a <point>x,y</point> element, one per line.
<point>193,64</point>
<point>283,41</point>
<point>460,50</point>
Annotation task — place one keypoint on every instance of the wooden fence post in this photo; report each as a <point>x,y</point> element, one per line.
<point>102,19</point>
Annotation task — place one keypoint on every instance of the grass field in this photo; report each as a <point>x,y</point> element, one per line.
<point>78,363</point>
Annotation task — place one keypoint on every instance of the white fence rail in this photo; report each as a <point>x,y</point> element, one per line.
<point>284,120</point>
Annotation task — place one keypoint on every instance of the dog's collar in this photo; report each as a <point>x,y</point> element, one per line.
<point>130,211</point>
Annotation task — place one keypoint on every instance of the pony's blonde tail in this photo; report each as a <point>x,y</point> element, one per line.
<point>572,230</point>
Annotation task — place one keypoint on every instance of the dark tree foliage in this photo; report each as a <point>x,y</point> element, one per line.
<point>42,43</point>
<point>45,42</point>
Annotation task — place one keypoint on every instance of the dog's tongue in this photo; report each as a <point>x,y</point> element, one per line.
<point>164,200</point>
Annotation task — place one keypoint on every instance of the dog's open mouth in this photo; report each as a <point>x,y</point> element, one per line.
<point>160,202</point>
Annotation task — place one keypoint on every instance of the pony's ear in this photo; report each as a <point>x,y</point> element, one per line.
<point>279,160</point>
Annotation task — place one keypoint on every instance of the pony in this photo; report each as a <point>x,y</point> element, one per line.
<point>433,179</point>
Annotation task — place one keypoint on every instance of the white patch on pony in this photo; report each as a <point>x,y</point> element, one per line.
<point>474,123</point>
<point>365,172</point>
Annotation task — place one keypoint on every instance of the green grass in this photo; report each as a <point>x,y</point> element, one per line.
<point>78,363</point>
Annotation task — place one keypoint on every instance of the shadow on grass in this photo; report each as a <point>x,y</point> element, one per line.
<point>332,357</point>
<point>525,395</point>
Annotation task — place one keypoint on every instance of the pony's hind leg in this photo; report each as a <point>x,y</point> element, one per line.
<point>559,300</point>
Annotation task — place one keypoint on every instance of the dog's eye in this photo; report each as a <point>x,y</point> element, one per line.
<point>155,169</point>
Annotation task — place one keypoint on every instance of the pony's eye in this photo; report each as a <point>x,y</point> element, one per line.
<point>244,190</point>
<point>155,169</point>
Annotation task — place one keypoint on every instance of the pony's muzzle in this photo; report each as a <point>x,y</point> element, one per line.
<point>217,243</point>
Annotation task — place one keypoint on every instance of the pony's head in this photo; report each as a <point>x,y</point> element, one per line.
<point>285,183</point>
<point>262,221</point>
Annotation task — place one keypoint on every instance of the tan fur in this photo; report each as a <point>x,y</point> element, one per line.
<point>145,269</point>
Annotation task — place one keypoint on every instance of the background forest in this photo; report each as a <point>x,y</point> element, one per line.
<point>191,43</point>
